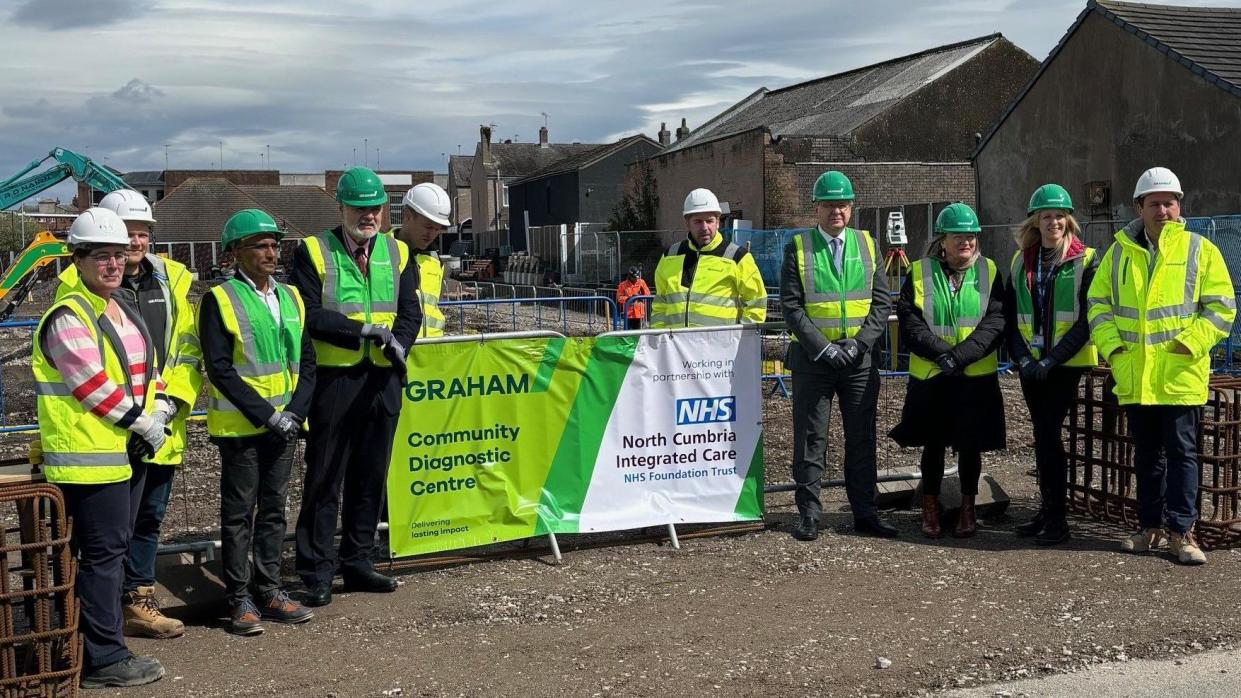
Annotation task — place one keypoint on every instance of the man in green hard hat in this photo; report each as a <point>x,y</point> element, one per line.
<point>261,370</point>
<point>362,311</point>
<point>836,302</point>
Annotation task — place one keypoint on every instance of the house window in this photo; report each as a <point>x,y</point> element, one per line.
<point>394,215</point>
<point>548,190</point>
<point>505,204</point>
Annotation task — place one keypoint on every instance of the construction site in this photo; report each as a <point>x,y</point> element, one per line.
<point>734,605</point>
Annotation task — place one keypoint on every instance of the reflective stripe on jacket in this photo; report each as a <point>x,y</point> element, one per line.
<point>370,299</point>
<point>1146,307</point>
<point>266,357</point>
<point>717,284</point>
<point>837,302</point>
<point>430,284</point>
<point>80,448</point>
<point>952,316</point>
<point>1065,306</point>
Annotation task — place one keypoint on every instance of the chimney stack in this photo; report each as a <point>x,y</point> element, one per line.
<point>682,130</point>
<point>484,138</point>
<point>665,136</point>
<point>542,136</point>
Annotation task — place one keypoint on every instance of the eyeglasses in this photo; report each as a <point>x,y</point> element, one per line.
<point>102,259</point>
<point>264,247</point>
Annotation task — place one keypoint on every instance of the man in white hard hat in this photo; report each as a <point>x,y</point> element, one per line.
<point>158,290</point>
<point>703,281</point>
<point>1159,303</point>
<point>426,213</point>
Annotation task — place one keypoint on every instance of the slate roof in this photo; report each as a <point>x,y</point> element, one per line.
<point>144,178</point>
<point>1206,40</point>
<point>459,167</point>
<point>837,104</point>
<point>516,160</point>
<point>584,158</point>
<point>197,209</point>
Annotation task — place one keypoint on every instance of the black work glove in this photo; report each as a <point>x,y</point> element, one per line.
<point>834,356</point>
<point>284,425</point>
<point>138,449</point>
<point>1042,368</point>
<point>851,348</point>
<point>378,334</point>
<point>1025,366</point>
<point>947,364</point>
<point>395,353</point>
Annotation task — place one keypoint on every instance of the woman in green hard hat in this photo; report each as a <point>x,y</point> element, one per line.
<point>952,321</point>
<point>1049,339</point>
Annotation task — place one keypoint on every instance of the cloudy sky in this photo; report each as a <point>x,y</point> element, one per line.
<point>316,79</point>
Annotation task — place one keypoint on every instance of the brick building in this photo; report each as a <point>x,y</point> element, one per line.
<point>903,130</point>
<point>1130,86</point>
<point>396,183</point>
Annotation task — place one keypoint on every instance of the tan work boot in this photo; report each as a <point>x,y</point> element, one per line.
<point>144,619</point>
<point>1143,541</point>
<point>1186,549</point>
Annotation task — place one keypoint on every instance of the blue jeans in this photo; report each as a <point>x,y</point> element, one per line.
<point>140,563</point>
<point>1165,439</point>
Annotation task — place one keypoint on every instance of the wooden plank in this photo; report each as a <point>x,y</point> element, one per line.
<point>18,474</point>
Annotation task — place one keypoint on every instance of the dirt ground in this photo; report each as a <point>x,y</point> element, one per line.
<point>758,613</point>
<point>747,614</point>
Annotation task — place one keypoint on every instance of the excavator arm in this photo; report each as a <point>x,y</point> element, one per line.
<point>19,278</point>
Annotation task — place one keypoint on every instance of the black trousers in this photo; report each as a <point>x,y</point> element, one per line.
<point>858,393</point>
<point>1165,439</point>
<point>969,469</point>
<point>349,446</point>
<point>254,487</point>
<point>1049,402</point>
<point>103,520</point>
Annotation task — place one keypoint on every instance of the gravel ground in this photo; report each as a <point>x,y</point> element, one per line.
<point>735,615</point>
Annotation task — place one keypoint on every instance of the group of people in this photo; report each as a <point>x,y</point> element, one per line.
<point>120,355</point>
<point>119,360</point>
<point>1153,305</point>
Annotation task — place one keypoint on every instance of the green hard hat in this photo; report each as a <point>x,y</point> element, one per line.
<point>360,187</point>
<point>1050,196</point>
<point>248,223</point>
<point>957,218</point>
<point>833,186</point>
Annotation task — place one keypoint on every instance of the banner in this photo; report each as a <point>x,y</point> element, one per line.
<point>505,439</point>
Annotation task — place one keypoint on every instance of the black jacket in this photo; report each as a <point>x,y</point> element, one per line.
<point>335,328</point>
<point>217,345</point>
<point>810,341</point>
<point>986,337</point>
<point>1072,341</point>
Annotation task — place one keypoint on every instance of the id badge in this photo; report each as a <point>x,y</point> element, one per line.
<point>1036,342</point>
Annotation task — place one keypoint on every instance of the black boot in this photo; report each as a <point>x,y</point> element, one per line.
<point>1054,532</point>
<point>807,529</point>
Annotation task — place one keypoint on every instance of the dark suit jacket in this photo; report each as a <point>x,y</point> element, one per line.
<point>810,341</point>
<point>335,328</point>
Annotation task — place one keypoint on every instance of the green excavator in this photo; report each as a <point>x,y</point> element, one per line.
<point>20,276</point>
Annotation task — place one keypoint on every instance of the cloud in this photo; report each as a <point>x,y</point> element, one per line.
<point>137,92</point>
<point>74,14</point>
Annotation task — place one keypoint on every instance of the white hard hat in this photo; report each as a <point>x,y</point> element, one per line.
<point>430,200</point>
<point>701,201</point>
<point>98,226</point>
<point>129,205</point>
<point>1158,179</point>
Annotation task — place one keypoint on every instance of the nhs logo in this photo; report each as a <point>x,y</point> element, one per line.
<point>703,410</point>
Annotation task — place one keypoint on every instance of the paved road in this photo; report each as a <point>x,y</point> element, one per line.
<point>1206,675</point>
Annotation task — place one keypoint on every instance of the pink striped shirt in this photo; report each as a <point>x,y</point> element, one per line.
<point>68,345</point>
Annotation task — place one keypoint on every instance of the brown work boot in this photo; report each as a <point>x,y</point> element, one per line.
<point>1143,541</point>
<point>930,516</point>
<point>144,619</point>
<point>967,524</point>
<point>1186,549</point>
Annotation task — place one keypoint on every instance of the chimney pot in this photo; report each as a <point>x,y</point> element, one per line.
<point>543,136</point>
<point>665,136</point>
<point>682,130</point>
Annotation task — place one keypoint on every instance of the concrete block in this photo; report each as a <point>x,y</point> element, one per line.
<point>991,502</point>
<point>186,586</point>
<point>898,494</point>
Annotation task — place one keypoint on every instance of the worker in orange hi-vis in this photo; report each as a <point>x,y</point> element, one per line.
<point>630,286</point>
